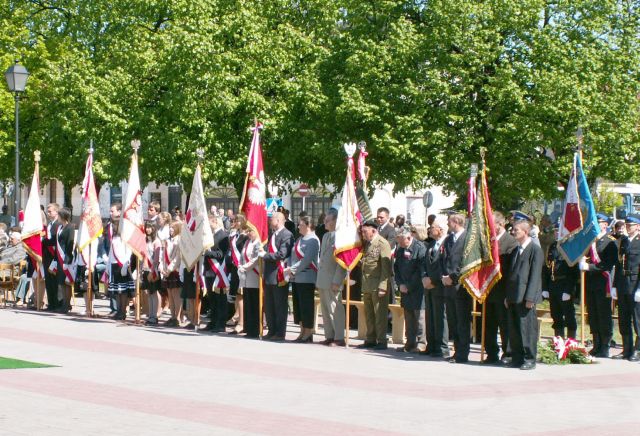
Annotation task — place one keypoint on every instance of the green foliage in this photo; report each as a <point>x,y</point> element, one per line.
<point>426,84</point>
<point>606,200</point>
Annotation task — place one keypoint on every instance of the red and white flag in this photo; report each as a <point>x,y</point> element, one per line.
<point>32,228</point>
<point>90,227</point>
<point>571,221</point>
<point>254,199</point>
<point>348,245</point>
<point>132,223</point>
<point>196,235</point>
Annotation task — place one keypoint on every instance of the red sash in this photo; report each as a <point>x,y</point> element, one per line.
<point>220,270</point>
<point>69,276</point>
<point>235,253</point>
<point>300,255</point>
<point>280,263</point>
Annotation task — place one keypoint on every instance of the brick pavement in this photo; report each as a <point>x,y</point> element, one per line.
<point>117,379</point>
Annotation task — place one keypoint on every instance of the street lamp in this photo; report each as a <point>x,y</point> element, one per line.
<point>17,76</point>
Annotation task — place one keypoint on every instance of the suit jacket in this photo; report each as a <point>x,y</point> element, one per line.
<point>301,267</point>
<point>376,265</point>
<point>329,271</point>
<point>598,275</point>
<point>506,244</point>
<point>283,243</point>
<point>628,268</point>
<point>524,280</point>
<point>217,252</point>
<point>408,269</point>
<point>388,232</point>
<point>49,244</point>
<point>452,257</point>
<point>433,265</point>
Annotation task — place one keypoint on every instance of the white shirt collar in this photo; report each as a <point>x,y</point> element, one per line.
<point>523,246</point>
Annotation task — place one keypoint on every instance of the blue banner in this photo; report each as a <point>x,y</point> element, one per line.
<point>576,245</point>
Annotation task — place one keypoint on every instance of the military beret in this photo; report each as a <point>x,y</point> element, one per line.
<point>602,218</point>
<point>633,218</point>
<point>371,223</point>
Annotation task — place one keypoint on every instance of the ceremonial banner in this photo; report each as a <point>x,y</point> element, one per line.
<point>579,224</point>
<point>90,227</point>
<point>254,199</point>
<point>348,245</point>
<point>196,234</point>
<point>480,267</point>
<point>33,227</point>
<point>132,223</point>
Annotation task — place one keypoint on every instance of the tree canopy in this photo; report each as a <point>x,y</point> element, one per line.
<point>425,83</point>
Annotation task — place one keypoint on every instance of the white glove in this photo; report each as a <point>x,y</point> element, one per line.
<point>545,295</point>
<point>134,275</point>
<point>52,266</point>
<point>105,258</point>
<point>614,293</point>
<point>241,269</point>
<point>262,253</point>
<point>636,296</point>
<point>566,297</point>
<point>584,266</point>
<point>125,269</point>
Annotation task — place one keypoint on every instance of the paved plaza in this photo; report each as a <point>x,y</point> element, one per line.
<point>117,379</point>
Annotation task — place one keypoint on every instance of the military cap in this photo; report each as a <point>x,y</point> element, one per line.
<point>603,218</point>
<point>633,218</point>
<point>371,223</point>
<point>521,216</point>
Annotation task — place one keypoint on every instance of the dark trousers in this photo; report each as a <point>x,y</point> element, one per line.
<point>437,328</point>
<point>562,312</point>
<point>276,309</point>
<point>628,314</point>
<point>600,316</point>
<point>51,285</point>
<point>496,315</point>
<point>251,311</point>
<point>217,304</point>
<point>450,308</point>
<point>523,333</point>
<point>464,305</point>
<point>304,293</point>
<point>412,328</point>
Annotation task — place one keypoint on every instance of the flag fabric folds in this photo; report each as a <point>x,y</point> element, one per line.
<point>254,199</point>
<point>90,227</point>
<point>579,223</point>
<point>132,223</point>
<point>348,245</point>
<point>33,227</point>
<point>480,267</point>
<point>196,234</point>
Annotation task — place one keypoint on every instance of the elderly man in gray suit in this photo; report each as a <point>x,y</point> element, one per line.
<point>329,284</point>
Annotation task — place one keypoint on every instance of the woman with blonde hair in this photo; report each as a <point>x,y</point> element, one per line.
<point>170,267</point>
<point>237,241</point>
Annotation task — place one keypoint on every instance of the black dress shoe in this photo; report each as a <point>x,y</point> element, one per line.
<point>619,356</point>
<point>491,361</point>
<point>367,345</point>
<point>528,366</point>
<point>190,326</point>
<point>380,347</point>
<point>462,360</point>
<point>634,357</point>
<point>506,360</point>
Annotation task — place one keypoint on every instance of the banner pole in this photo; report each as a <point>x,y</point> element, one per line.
<point>196,306</point>
<point>260,296</point>
<point>484,322</point>
<point>137,290</point>
<point>37,289</point>
<point>89,287</point>
<point>347,329</point>
<point>582,317</point>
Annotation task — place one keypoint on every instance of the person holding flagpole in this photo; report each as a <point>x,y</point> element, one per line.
<point>249,279</point>
<point>150,273</point>
<point>121,285</point>
<point>49,257</point>
<point>237,241</point>
<point>216,276</point>
<point>169,267</point>
<point>64,251</point>
<point>303,271</point>
<point>276,292</point>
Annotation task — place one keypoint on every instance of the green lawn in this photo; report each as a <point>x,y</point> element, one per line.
<point>8,363</point>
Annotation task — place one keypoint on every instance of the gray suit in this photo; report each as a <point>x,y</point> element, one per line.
<point>330,273</point>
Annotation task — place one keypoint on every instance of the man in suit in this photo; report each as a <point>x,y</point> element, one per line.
<point>626,277</point>
<point>435,313</point>
<point>376,273</point>
<point>598,293</point>
<point>49,255</point>
<point>458,302</point>
<point>64,257</point>
<point>114,212</point>
<point>276,288</point>
<point>388,232</point>
<point>329,283</point>
<point>523,287</point>
<point>214,263</point>
<point>408,267</point>
<point>496,312</point>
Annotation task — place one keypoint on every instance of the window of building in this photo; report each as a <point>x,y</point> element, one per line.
<point>223,198</point>
<point>315,203</point>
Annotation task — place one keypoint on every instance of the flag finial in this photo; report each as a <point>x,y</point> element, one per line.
<point>350,149</point>
<point>91,150</point>
<point>135,144</point>
<point>473,169</point>
<point>200,154</point>
<point>36,156</point>
<point>362,146</point>
<point>579,138</point>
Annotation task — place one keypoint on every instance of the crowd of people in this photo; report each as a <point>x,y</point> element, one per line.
<point>419,265</point>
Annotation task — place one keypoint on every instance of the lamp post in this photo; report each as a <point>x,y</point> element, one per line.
<point>16,77</point>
